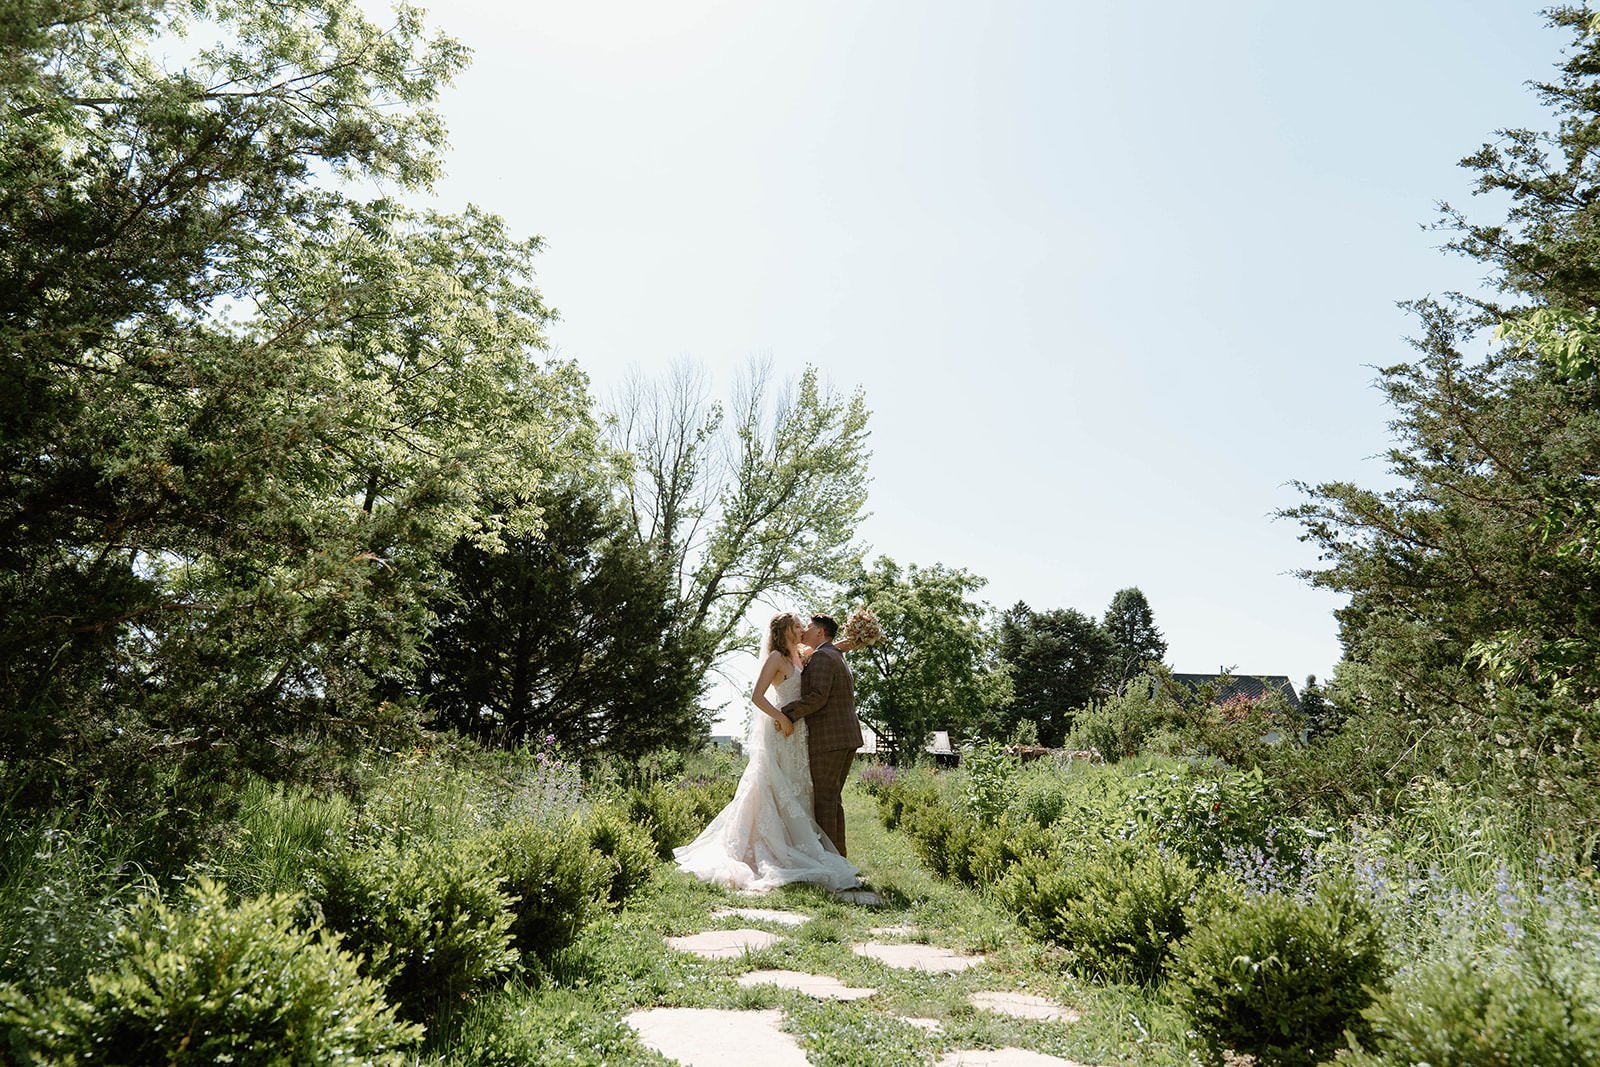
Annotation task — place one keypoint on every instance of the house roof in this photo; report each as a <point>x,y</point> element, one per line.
<point>1253,686</point>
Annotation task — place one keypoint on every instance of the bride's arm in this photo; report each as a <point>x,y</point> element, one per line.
<point>769,671</point>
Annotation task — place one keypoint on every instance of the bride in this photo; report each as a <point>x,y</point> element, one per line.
<point>767,835</point>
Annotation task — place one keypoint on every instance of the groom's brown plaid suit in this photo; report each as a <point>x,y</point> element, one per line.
<point>833,733</point>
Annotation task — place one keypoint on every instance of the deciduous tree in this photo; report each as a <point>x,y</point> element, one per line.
<point>243,411</point>
<point>935,668</point>
<point>756,499</point>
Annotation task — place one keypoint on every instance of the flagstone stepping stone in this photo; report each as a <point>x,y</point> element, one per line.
<point>1004,1057</point>
<point>864,897</point>
<point>820,986</point>
<point>915,957</point>
<point>724,944</point>
<point>892,931</point>
<point>713,1037</point>
<point>1024,1006</point>
<point>768,915</point>
<point>933,1026</point>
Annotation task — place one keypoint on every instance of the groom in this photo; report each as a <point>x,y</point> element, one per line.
<point>833,733</point>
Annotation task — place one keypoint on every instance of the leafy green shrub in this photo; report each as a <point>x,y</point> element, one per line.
<point>430,917</point>
<point>1002,847</point>
<point>1206,813</point>
<point>908,792</point>
<point>1119,907</point>
<point>628,850</point>
<point>988,773</point>
<point>674,812</point>
<point>1524,1007</point>
<point>944,837</point>
<point>1279,978</point>
<point>557,881</point>
<point>1118,727</point>
<point>1040,794</point>
<point>214,983</point>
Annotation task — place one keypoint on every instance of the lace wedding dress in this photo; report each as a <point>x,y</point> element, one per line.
<point>767,836</point>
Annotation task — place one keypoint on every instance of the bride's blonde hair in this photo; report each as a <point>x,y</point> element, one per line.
<point>778,633</point>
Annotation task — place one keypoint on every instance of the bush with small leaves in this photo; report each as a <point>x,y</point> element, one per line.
<point>1528,1004</point>
<point>1007,844</point>
<point>1279,978</point>
<point>673,812</point>
<point>627,849</point>
<point>1119,907</point>
<point>557,881</point>
<point>431,917</point>
<point>212,982</point>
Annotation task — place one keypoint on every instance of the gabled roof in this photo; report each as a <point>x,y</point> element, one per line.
<point>1253,686</point>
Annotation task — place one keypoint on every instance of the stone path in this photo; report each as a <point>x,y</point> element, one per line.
<point>915,957</point>
<point>820,986</point>
<point>705,1037</point>
<point>724,944</point>
<point>1005,1057</point>
<point>712,1037</point>
<point>1023,1006</point>
<point>762,915</point>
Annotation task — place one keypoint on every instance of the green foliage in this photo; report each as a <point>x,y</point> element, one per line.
<point>515,1028</point>
<point>557,635</point>
<point>1119,908</point>
<point>934,668</point>
<point>556,881</point>
<point>431,917</point>
<point>1121,725</point>
<point>211,982</point>
<point>674,812</point>
<point>1529,1006</point>
<point>1202,813</point>
<point>944,835</point>
<point>1279,978</point>
<point>1058,661</point>
<point>989,773</point>
<point>1472,581</point>
<point>627,850</point>
<point>1007,843</point>
<point>1136,643</point>
<point>245,411</point>
<point>278,836</point>
<point>64,891</point>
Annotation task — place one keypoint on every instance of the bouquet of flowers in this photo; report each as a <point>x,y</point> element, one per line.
<point>862,628</point>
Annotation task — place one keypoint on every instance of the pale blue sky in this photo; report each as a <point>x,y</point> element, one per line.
<point>1110,274</point>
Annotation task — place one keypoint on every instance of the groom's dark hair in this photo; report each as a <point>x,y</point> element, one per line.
<point>829,627</point>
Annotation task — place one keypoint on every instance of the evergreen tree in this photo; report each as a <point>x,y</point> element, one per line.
<point>567,633</point>
<point>1473,615</point>
<point>1135,641</point>
<point>1057,661</point>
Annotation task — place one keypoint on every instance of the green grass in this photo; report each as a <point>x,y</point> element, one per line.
<point>622,963</point>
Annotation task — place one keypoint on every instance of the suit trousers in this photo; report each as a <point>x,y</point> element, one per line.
<point>829,773</point>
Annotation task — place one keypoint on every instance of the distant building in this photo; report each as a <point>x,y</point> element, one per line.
<point>1234,685</point>
<point>1230,686</point>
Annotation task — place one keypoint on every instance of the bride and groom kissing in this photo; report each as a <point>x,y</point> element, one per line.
<point>786,820</point>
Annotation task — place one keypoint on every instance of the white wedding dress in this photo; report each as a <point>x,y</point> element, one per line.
<point>767,835</point>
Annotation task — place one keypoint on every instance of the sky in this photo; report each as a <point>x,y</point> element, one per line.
<point>1111,276</point>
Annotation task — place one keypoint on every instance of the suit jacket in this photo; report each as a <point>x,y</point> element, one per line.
<point>827,702</point>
